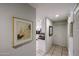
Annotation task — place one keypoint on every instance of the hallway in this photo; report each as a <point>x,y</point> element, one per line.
<point>57,27</point>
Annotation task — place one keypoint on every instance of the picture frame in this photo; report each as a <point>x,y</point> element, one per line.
<point>50,30</point>
<point>71,29</point>
<point>22,31</point>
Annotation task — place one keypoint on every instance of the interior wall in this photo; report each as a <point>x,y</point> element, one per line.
<point>43,25</point>
<point>18,10</point>
<point>70,38</point>
<point>60,33</point>
<point>76,32</point>
<point>41,44</point>
<point>38,24</point>
<point>49,39</point>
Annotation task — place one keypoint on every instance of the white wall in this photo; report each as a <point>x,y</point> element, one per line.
<point>18,10</point>
<point>70,38</point>
<point>43,25</point>
<point>49,39</point>
<point>60,33</point>
<point>41,44</point>
<point>76,32</point>
<point>38,24</point>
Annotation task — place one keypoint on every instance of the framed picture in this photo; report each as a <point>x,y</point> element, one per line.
<point>22,31</point>
<point>50,30</point>
<point>71,29</point>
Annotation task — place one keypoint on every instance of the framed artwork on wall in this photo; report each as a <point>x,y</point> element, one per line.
<point>71,29</point>
<point>22,31</point>
<point>50,30</point>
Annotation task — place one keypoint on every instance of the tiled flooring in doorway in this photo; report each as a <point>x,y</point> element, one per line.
<point>54,51</point>
<point>57,51</point>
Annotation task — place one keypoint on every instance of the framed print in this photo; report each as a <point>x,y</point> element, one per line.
<point>71,29</point>
<point>22,31</point>
<point>50,30</point>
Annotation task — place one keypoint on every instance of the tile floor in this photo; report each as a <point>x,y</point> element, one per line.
<point>54,51</point>
<point>57,51</point>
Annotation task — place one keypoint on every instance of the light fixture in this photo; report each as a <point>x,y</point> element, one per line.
<point>57,15</point>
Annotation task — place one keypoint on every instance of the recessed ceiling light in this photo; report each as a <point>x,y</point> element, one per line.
<point>57,15</point>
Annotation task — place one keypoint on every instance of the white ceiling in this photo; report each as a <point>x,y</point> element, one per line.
<point>52,9</point>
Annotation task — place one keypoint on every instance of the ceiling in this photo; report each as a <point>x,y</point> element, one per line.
<point>50,10</point>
